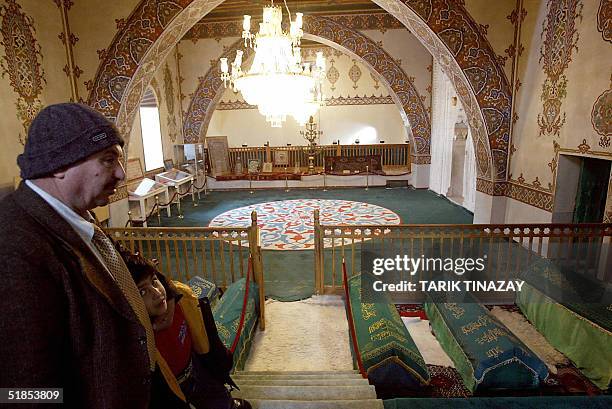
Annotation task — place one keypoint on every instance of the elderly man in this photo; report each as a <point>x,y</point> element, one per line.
<point>72,317</point>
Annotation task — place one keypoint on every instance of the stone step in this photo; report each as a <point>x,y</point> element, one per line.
<point>295,377</point>
<point>354,371</point>
<point>300,382</point>
<point>325,300</point>
<point>306,392</point>
<point>330,404</point>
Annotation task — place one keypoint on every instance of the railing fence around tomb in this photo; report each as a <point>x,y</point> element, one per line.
<point>217,254</point>
<point>393,156</point>
<point>509,248</point>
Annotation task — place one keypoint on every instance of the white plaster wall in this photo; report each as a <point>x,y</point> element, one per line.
<point>519,212</point>
<point>370,124</point>
<point>364,83</point>
<point>588,76</point>
<point>196,57</point>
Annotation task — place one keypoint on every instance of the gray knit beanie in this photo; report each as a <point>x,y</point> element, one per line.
<point>63,134</point>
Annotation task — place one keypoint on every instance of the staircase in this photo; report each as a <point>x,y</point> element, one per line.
<point>306,390</point>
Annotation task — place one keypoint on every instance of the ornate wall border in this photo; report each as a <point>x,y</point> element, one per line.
<point>322,29</point>
<point>333,101</point>
<point>233,28</point>
<point>601,117</point>
<point>444,27</point>
<point>518,191</point>
<point>531,196</point>
<point>560,39</point>
<point>604,20</point>
<point>22,62</point>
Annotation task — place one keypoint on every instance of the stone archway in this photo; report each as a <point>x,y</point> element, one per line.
<point>447,30</point>
<point>348,41</point>
<point>444,27</point>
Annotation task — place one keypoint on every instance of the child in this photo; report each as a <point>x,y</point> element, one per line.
<point>180,336</point>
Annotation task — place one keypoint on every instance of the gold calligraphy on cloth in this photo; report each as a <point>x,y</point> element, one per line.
<point>495,352</point>
<point>455,309</point>
<point>491,335</point>
<point>482,321</point>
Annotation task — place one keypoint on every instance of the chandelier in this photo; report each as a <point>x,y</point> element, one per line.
<point>278,82</point>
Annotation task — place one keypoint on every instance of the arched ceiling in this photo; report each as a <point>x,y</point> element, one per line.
<point>346,40</point>
<point>444,27</point>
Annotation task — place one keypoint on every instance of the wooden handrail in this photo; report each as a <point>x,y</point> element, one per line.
<point>392,155</point>
<point>219,254</point>
<point>510,247</point>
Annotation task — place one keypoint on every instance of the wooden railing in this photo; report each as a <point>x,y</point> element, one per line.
<point>217,254</point>
<point>509,248</point>
<point>393,155</point>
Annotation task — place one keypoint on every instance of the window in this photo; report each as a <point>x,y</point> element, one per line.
<point>151,132</point>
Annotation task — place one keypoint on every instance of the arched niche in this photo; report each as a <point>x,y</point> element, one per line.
<point>444,27</point>
<point>351,42</point>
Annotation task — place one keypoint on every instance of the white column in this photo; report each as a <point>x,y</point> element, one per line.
<point>442,131</point>
<point>469,175</point>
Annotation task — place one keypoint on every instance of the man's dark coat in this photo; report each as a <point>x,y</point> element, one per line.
<point>64,322</point>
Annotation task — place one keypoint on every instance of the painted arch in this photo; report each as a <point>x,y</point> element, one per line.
<point>444,27</point>
<point>348,41</point>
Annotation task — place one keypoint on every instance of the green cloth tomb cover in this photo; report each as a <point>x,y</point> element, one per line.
<point>227,317</point>
<point>389,355</point>
<point>485,353</point>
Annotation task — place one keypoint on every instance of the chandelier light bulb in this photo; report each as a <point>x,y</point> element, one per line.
<point>320,61</point>
<point>298,19</point>
<point>246,23</point>
<point>238,59</point>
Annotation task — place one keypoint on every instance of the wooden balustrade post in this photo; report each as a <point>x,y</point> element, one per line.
<point>158,213</point>
<point>255,251</point>
<point>409,159</point>
<point>318,253</point>
<point>268,154</point>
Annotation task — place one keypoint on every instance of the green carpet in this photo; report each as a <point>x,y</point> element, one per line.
<point>289,275</point>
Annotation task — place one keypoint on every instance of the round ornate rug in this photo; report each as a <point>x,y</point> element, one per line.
<point>288,224</point>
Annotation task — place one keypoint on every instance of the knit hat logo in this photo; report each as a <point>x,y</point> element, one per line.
<point>98,137</point>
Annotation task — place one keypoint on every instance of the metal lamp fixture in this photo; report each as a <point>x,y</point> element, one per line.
<point>278,82</point>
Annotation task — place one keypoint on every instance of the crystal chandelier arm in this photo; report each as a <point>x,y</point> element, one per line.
<point>224,71</point>
<point>320,61</point>
<point>287,7</point>
<point>246,29</point>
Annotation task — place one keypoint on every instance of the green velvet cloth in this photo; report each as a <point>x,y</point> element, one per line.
<point>581,294</point>
<point>540,402</point>
<point>587,344</point>
<point>227,317</point>
<point>389,355</point>
<point>485,353</point>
